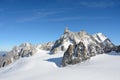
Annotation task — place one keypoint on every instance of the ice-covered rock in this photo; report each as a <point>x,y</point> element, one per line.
<point>75,54</point>
<point>69,37</point>
<point>73,38</point>
<point>24,50</point>
<point>79,53</point>
<point>104,42</point>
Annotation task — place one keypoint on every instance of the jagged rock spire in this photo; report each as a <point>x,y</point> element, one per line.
<point>66,30</point>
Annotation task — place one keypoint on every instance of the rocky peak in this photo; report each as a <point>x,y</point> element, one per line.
<point>75,54</point>
<point>66,30</point>
<point>83,33</point>
<point>104,42</point>
<point>70,37</point>
<point>73,38</point>
<point>25,45</point>
<point>24,50</point>
<point>100,37</point>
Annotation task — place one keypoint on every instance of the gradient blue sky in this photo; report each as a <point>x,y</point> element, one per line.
<point>38,21</point>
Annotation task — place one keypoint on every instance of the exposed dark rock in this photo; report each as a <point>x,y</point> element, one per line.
<point>117,49</point>
<point>74,54</point>
<point>79,53</point>
<point>24,50</point>
<point>67,58</point>
<point>108,46</point>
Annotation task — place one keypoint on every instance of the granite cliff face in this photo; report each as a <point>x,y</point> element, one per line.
<point>80,46</point>
<point>24,50</point>
<point>74,38</point>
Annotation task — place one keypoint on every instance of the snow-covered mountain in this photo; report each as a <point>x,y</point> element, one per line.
<point>100,37</point>
<point>105,42</point>
<point>45,46</point>
<point>70,48</point>
<point>24,50</point>
<point>73,38</point>
<point>68,37</point>
<point>80,46</point>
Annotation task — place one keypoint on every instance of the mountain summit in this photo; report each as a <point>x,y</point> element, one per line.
<point>73,38</point>
<point>68,43</point>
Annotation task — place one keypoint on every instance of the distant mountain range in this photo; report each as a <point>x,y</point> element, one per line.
<point>62,44</point>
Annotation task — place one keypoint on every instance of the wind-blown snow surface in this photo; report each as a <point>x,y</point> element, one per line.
<point>43,66</point>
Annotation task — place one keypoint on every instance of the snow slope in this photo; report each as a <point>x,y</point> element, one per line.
<point>100,37</point>
<point>43,66</point>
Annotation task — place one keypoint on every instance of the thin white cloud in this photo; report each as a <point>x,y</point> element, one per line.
<point>98,4</point>
<point>65,19</point>
<point>80,18</point>
<point>37,15</point>
<point>47,13</point>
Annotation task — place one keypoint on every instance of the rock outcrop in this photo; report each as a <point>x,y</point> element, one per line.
<point>24,50</point>
<point>5,59</point>
<point>99,40</point>
<point>79,53</point>
<point>71,38</point>
<point>104,42</point>
<point>68,55</point>
<point>88,46</point>
<point>117,49</point>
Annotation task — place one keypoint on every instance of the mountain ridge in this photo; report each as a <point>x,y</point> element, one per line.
<point>70,37</point>
<point>61,44</point>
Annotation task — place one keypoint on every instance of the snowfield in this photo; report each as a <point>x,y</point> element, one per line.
<point>43,66</point>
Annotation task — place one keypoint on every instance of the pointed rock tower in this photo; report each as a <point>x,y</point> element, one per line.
<point>66,30</point>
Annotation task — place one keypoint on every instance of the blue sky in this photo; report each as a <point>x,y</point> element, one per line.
<point>38,21</point>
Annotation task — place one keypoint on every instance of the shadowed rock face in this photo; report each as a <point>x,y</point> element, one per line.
<point>117,49</point>
<point>104,42</point>
<point>78,53</point>
<point>74,54</point>
<point>5,60</point>
<point>108,46</point>
<point>24,50</point>
<point>67,58</point>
